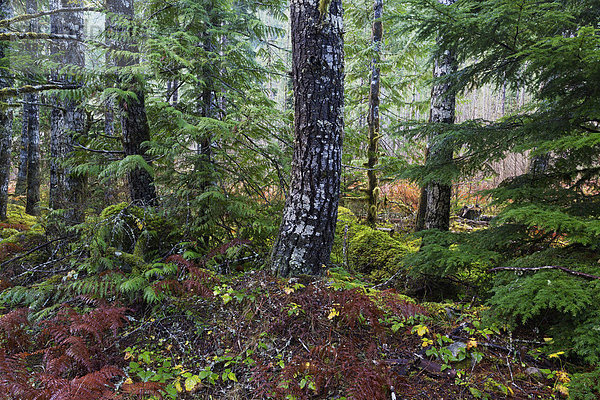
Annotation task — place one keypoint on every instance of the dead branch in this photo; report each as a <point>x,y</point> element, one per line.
<point>566,270</point>
<point>25,17</point>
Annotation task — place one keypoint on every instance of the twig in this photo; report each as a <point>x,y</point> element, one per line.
<point>568,271</point>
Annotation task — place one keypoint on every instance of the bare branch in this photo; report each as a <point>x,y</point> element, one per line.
<point>568,271</point>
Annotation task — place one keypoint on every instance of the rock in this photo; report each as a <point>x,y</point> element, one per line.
<point>456,347</point>
<point>534,372</point>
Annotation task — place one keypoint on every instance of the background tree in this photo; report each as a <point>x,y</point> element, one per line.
<point>68,116</point>
<point>436,195</point>
<point>310,214</point>
<point>135,130</point>
<point>29,160</point>
<point>373,191</point>
<point>5,116</point>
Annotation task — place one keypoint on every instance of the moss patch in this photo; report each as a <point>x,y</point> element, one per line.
<point>369,251</point>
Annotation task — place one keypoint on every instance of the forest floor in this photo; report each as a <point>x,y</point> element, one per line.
<point>257,336</point>
<point>249,335</point>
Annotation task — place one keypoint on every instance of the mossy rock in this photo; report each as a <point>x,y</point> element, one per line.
<point>369,251</point>
<point>377,253</point>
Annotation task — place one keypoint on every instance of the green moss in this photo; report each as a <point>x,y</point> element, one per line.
<point>377,253</point>
<point>8,232</point>
<point>19,222</point>
<point>369,251</point>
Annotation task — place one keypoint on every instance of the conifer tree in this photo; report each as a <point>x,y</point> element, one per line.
<point>132,110</point>
<point>373,190</point>
<point>29,160</point>
<point>68,116</point>
<point>5,117</point>
<point>310,214</point>
<point>434,205</point>
<point>543,245</point>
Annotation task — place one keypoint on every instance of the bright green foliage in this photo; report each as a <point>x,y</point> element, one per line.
<point>549,216</point>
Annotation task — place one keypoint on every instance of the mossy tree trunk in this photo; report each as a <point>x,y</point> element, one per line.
<point>310,214</point>
<point>68,116</point>
<point>134,122</point>
<point>373,190</point>
<point>5,117</point>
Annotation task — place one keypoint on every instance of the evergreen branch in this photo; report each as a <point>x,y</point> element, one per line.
<point>568,271</point>
<point>16,91</point>
<point>25,17</point>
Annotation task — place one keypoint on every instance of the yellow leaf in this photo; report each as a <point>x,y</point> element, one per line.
<point>471,343</point>
<point>421,330</point>
<point>192,382</point>
<point>333,313</point>
<point>562,389</point>
<point>178,386</point>
<point>548,339</point>
<point>563,376</point>
<point>288,290</point>
<point>555,355</point>
<point>128,355</point>
<point>128,381</point>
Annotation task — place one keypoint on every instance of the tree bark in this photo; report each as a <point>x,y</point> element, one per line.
<point>33,155</point>
<point>443,105</point>
<point>28,178</point>
<point>68,118</point>
<point>5,117</point>
<point>310,214</point>
<point>373,190</point>
<point>21,185</point>
<point>134,122</point>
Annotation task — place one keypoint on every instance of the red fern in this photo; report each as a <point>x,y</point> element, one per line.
<point>13,331</point>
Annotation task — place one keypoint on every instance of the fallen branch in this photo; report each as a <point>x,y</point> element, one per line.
<point>568,271</point>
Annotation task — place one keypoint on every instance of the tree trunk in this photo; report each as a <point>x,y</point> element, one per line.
<point>5,117</point>
<point>443,104</point>
<point>28,180</point>
<point>33,154</point>
<point>68,116</point>
<point>21,185</point>
<point>310,214</point>
<point>134,122</point>
<point>373,190</point>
